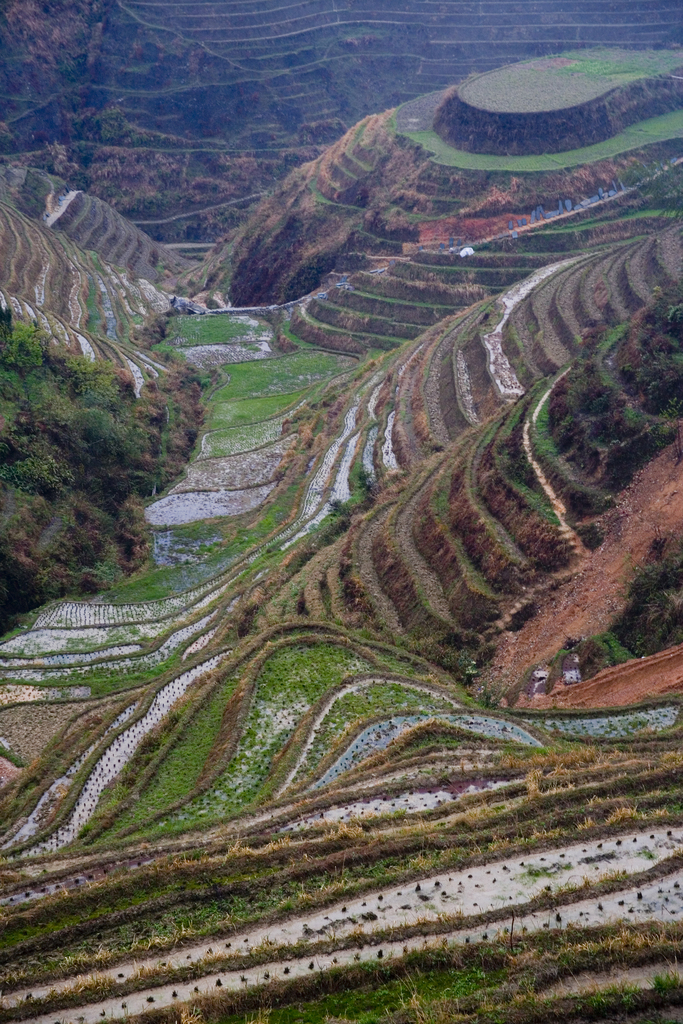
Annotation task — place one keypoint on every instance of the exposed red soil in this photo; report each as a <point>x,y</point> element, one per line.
<point>8,771</point>
<point>630,683</point>
<point>595,594</point>
<point>469,228</point>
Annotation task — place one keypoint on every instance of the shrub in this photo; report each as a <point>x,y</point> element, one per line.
<point>653,616</point>
<point>80,452</point>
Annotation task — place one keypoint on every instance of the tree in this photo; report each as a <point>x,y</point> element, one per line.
<point>5,325</point>
<point>664,190</point>
<point>21,348</point>
<point>673,413</point>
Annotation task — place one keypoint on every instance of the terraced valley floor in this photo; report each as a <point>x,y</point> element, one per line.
<point>388,724</point>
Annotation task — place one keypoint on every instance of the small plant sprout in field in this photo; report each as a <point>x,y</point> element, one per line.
<point>665,983</point>
<point>620,814</point>
<point>533,783</point>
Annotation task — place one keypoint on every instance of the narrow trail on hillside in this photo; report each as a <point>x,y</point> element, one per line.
<point>558,505</point>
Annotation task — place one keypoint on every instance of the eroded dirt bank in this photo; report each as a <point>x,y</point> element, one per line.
<point>589,601</point>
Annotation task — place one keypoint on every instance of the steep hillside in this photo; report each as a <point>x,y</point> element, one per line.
<point>89,424</point>
<point>75,266</point>
<point>371,580</point>
<point>80,450</point>
<point>376,193</point>
<point>303,671</point>
<point>323,683</point>
<point>166,110</point>
<point>548,106</point>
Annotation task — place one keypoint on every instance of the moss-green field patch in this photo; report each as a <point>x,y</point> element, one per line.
<point>281,376</point>
<point>249,410</point>
<point>372,1003</point>
<point>571,79</point>
<point>214,330</point>
<point>644,133</point>
<point>181,769</point>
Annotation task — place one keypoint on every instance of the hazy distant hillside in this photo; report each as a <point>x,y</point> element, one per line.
<point>166,108</point>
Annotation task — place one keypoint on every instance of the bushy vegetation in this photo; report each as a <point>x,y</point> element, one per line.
<point>653,617</point>
<point>78,453</point>
<point>651,361</point>
<point>664,191</point>
<point>609,425</point>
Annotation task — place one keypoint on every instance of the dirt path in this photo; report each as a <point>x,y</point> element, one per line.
<point>558,506</point>
<point>68,199</point>
<point>591,599</point>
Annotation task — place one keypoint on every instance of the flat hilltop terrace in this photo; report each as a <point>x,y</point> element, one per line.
<point>564,81</point>
<point>580,104</point>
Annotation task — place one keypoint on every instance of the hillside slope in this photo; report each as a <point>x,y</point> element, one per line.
<point>394,477</point>
<point>163,110</point>
<point>89,423</point>
<point>375,192</point>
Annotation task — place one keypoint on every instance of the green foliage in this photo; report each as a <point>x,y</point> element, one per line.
<point>287,374</point>
<point>598,652</point>
<point>368,704</point>
<point>207,330</point>
<point>665,983</point>
<point>664,190</point>
<point>22,349</point>
<point>181,769</point>
<point>291,680</point>
<point>79,452</point>
<point>654,129</point>
<point>379,1000</point>
<point>652,359</point>
<point>605,423</point>
<point>653,617</point>
<point>247,411</point>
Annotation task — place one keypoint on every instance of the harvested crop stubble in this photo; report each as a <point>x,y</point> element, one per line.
<point>179,508</point>
<point>233,473</point>
<point>445,898</point>
<point>28,729</point>
<point>206,356</point>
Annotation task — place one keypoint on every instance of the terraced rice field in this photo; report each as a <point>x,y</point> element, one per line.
<point>82,303</point>
<point>312,62</point>
<point>299,761</point>
<point>566,81</point>
<point>644,133</point>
